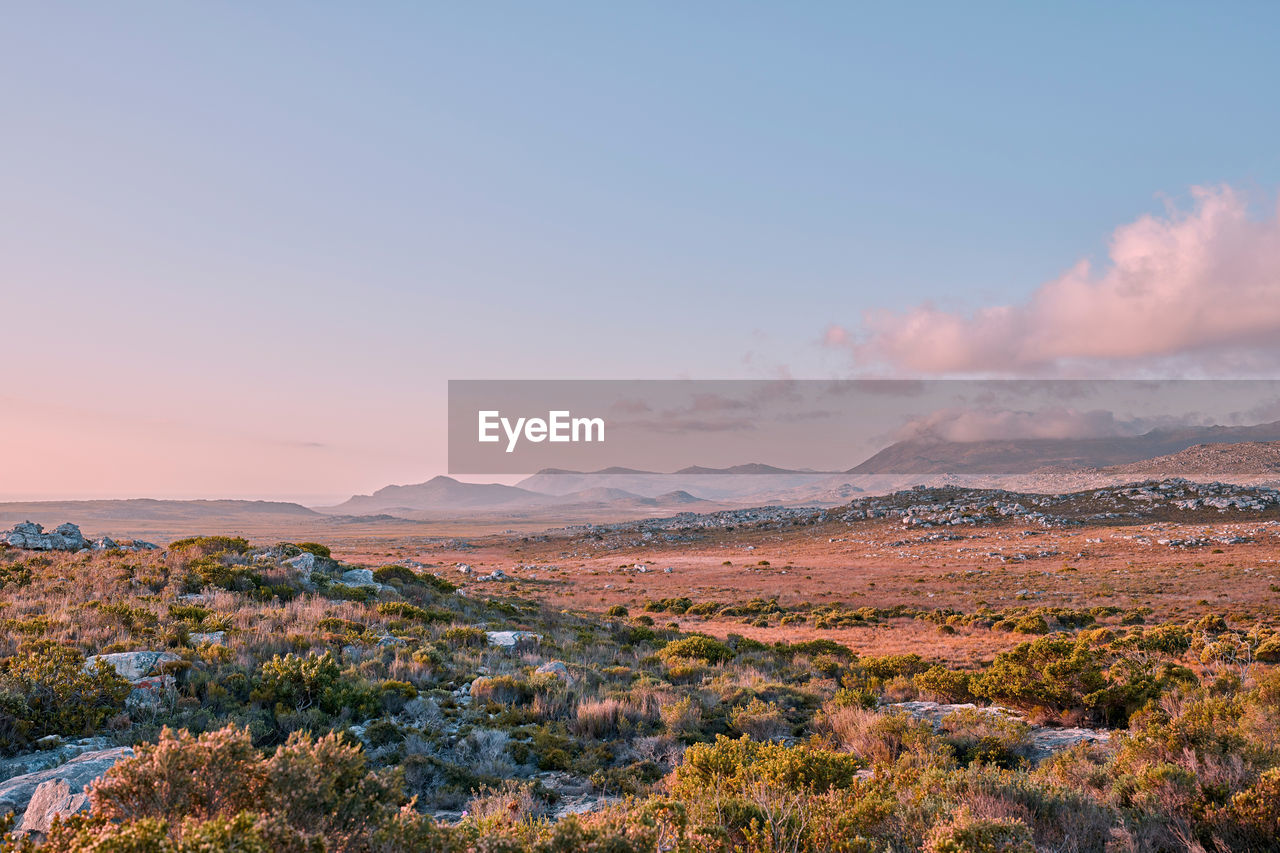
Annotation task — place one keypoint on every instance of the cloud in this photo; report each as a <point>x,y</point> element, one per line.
<point>1194,292</point>
<point>1053,422</point>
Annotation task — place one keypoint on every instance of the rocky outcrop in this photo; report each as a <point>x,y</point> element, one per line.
<point>304,564</point>
<point>1042,741</point>
<point>52,753</point>
<point>360,577</point>
<point>134,666</point>
<point>39,797</point>
<point>31,536</point>
<point>145,671</point>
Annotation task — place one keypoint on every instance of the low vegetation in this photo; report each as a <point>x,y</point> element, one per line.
<point>303,713</point>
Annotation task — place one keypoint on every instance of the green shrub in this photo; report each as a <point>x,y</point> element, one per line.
<point>965,833</point>
<point>944,685</point>
<point>400,574</point>
<point>46,689</point>
<point>212,545</point>
<point>465,636</point>
<point>697,647</point>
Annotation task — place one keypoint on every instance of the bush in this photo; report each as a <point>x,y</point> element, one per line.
<point>698,648</point>
<point>465,636</point>
<point>986,737</point>
<point>732,764</point>
<point>45,689</point>
<point>400,574</point>
<point>943,685</point>
<point>966,833</point>
<point>206,545</point>
<point>308,789</point>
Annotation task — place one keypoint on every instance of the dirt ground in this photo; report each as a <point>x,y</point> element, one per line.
<point>880,563</point>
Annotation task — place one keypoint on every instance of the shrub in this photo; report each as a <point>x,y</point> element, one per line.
<point>813,648</point>
<point>965,833</point>
<point>1033,624</point>
<point>310,787</point>
<point>206,545</point>
<point>943,685</point>
<point>46,689</point>
<point>699,648</point>
<point>737,763</point>
<point>400,574</point>
<point>878,737</point>
<point>617,611</point>
<point>888,666</point>
<point>760,720</point>
<point>986,737</point>
<point>465,636</point>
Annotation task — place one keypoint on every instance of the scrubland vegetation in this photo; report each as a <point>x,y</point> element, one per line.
<point>335,717</point>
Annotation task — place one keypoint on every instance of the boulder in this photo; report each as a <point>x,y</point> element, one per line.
<point>556,668</point>
<point>511,639</point>
<point>52,799</point>
<point>208,638</point>
<point>52,752</point>
<point>18,794</point>
<point>134,666</point>
<point>304,564</point>
<point>31,536</point>
<point>360,577</point>
<point>106,543</point>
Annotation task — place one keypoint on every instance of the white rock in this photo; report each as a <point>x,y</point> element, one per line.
<point>134,666</point>
<point>509,639</point>
<point>17,794</point>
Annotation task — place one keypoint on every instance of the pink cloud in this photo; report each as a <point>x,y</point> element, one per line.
<point>1198,290</point>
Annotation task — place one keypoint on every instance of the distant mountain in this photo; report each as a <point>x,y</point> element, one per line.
<point>441,493</point>
<point>727,485</point>
<point>446,497</point>
<point>150,509</point>
<point>1023,456</point>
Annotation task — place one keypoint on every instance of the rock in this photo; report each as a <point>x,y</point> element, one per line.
<point>1046,741</point>
<point>52,799</point>
<point>18,793</point>
<point>56,753</point>
<point>1042,741</point>
<point>209,638</point>
<point>139,545</point>
<point>31,536</point>
<point>304,564</point>
<point>360,577</point>
<point>511,639</point>
<point>106,543</point>
<point>134,666</point>
<point>389,640</point>
<point>147,692</point>
<point>556,668</point>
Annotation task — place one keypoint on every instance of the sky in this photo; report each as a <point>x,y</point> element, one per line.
<point>243,246</point>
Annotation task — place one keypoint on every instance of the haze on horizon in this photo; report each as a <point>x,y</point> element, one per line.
<point>243,247</point>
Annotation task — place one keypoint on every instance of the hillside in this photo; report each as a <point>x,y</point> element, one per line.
<point>921,456</point>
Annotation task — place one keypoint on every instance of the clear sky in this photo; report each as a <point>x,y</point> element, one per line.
<point>244,245</point>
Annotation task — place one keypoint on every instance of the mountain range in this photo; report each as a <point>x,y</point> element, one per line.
<point>1244,455</point>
